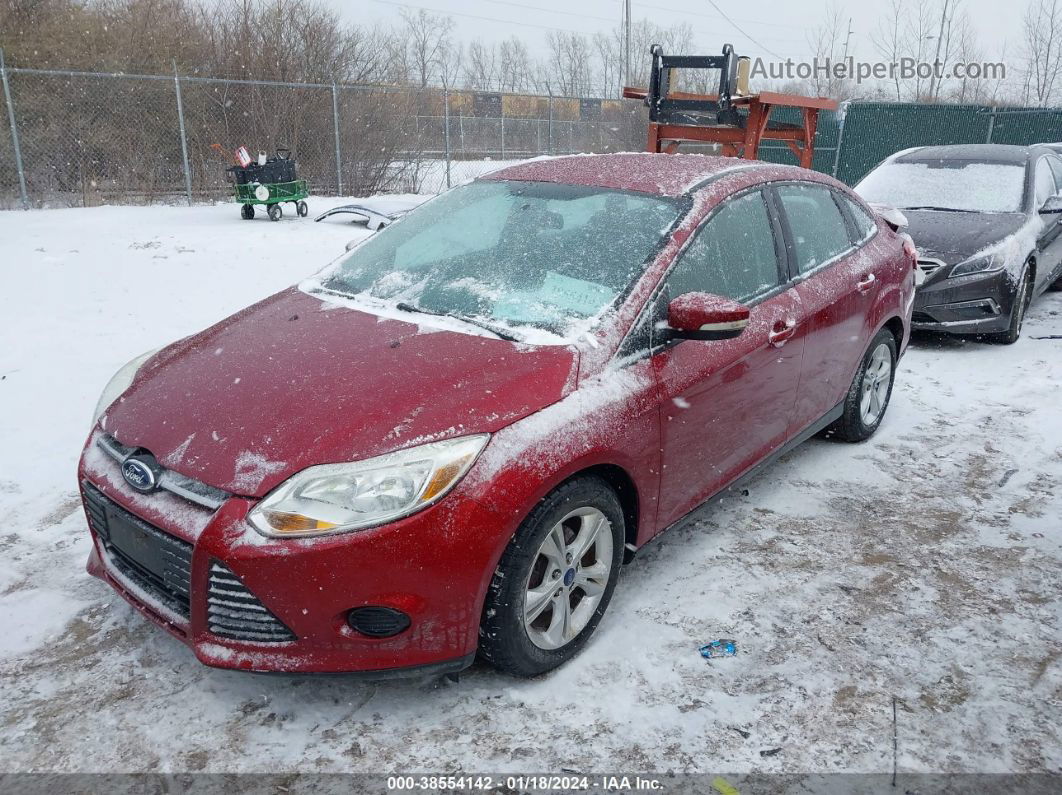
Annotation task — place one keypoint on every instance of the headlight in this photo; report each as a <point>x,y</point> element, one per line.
<point>982,263</point>
<point>336,498</point>
<point>120,382</point>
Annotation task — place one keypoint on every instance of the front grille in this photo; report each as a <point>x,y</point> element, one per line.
<point>153,560</point>
<point>181,485</point>
<point>929,266</point>
<point>234,612</point>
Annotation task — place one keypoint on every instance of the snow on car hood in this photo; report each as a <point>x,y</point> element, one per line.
<point>293,382</point>
<point>960,234</point>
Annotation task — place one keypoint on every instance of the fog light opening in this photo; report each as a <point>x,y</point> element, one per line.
<point>378,622</point>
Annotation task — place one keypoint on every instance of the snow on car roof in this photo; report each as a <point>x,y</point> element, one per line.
<point>645,172</point>
<point>977,153</point>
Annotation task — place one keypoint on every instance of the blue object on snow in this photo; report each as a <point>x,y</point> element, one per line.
<point>718,648</point>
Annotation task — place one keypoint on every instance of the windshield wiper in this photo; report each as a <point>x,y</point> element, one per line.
<point>497,332</point>
<point>941,209</point>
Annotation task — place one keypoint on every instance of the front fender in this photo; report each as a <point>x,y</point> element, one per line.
<point>611,419</point>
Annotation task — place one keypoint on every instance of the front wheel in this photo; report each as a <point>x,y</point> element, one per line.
<point>555,579</point>
<point>302,209</point>
<point>275,213</point>
<point>247,212</point>
<point>1017,312</point>
<point>871,389</point>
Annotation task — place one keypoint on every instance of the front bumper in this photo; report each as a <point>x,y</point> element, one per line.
<point>433,567</point>
<point>973,304</point>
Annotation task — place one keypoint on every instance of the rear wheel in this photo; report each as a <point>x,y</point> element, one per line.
<point>555,579</point>
<point>275,213</point>
<point>868,396</point>
<point>247,212</point>
<point>1017,313</point>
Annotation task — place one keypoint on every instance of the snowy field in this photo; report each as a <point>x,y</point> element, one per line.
<point>921,568</point>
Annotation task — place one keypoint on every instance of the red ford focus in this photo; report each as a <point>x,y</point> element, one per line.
<point>450,440</point>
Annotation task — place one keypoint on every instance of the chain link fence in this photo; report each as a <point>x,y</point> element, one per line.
<point>89,138</point>
<point>92,138</point>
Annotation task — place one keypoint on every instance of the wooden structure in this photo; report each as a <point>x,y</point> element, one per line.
<point>676,116</point>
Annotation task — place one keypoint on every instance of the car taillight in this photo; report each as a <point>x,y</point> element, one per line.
<point>910,250</point>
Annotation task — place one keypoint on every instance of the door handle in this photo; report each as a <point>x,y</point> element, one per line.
<point>782,331</point>
<point>866,282</point>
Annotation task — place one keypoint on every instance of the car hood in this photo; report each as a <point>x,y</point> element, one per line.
<point>955,236</point>
<point>294,381</point>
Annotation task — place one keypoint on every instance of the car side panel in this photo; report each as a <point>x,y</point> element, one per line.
<point>837,309</point>
<point>611,420</point>
<point>726,405</point>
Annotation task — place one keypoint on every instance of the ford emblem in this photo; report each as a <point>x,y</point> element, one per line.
<point>139,475</point>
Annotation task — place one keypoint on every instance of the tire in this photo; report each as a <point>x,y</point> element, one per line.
<point>275,213</point>
<point>1017,313</point>
<point>1056,285</point>
<point>532,566</point>
<point>247,212</point>
<point>302,209</point>
<point>871,389</point>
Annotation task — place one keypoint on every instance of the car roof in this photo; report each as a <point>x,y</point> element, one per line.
<point>644,172</point>
<point>978,153</point>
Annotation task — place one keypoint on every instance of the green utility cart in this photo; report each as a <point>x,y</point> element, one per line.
<point>272,195</point>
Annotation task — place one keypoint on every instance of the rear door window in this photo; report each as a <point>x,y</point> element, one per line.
<point>864,223</point>
<point>818,229</point>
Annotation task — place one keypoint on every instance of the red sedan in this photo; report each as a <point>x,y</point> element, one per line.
<point>449,441</point>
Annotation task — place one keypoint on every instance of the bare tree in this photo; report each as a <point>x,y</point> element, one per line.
<point>1042,27</point>
<point>920,32</point>
<point>514,66</point>
<point>569,62</point>
<point>889,39</point>
<point>481,66</point>
<point>429,43</point>
<point>376,55</point>
<point>610,64</point>
<point>827,43</point>
<point>676,39</point>
<point>962,46</point>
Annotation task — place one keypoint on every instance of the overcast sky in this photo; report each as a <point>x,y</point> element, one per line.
<point>777,26</point>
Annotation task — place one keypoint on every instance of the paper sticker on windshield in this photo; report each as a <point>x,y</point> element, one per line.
<point>558,292</point>
<point>574,294</point>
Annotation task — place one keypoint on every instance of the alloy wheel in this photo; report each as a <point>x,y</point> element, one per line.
<point>568,578</point>
<point>876,381</point>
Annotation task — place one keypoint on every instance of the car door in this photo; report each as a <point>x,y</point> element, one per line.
<point>1046,181</point>
<point>725,405</point>
<point>837,288</point>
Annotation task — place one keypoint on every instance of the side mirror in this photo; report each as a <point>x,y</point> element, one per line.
<point>703,316</point>
<point>1052,206</point>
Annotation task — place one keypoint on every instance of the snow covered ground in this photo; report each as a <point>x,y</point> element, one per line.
<point>923,566</point>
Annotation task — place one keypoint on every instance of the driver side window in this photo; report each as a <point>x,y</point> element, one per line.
<point>1056,168</point>
<point>1044,184</point>
<point>732,255</point>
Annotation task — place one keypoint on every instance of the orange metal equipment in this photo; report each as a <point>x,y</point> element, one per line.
<point>677,116</point>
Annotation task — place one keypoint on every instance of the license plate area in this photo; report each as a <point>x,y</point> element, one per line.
<point>135,541</point>
<point>158,563</point>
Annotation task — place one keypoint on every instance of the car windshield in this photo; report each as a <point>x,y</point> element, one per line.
<point>511,256</point>
<point>946,184</point>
